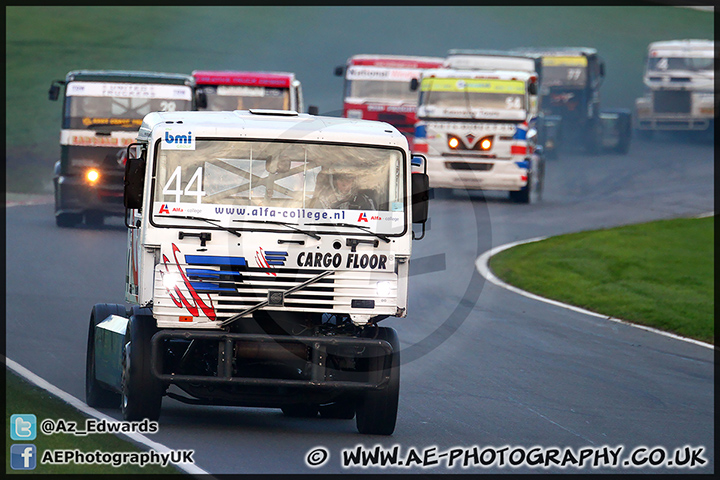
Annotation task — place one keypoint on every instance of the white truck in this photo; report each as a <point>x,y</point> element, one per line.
<point>477,129</point>
<point>264,247</point>
<point>680,80</point>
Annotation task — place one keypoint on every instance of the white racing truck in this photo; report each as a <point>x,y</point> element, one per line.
<point>680,83</point>
<point>264,247</point>
<point>478,130</point>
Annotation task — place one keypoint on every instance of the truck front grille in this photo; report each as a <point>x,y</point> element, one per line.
<point>469,166</point>
<point>233,289</point>
<point>671,101</point>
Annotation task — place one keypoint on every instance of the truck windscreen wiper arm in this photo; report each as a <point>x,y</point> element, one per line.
<point>382,237</point>
<point>202,219</point>
<point>284,224</point>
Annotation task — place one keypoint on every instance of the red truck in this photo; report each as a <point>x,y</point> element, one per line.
<point>231,90</point>
<point>377,88</point>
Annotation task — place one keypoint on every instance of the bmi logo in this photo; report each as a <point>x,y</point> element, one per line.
<point>179,141</point>
<point>169,139</point>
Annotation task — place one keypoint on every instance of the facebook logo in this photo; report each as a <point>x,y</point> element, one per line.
<point>23,427</point>
<point>22,457</point>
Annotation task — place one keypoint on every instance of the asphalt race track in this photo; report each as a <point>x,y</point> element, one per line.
<point>481,366</point>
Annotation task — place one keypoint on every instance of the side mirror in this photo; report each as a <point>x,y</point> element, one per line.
<point>313,110</point>
<point>339,70</point>
<point>602,69</point>
<point>54,92</point>
<point>134,180</point>
<point>414,84</point>
<point>532,88</point>
<point>200,99</point>
<point>420,197</point>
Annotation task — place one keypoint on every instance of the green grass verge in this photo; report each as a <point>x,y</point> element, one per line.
<point>659,274</point>
<point>23,398</point>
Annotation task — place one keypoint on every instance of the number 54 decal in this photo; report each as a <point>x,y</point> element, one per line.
<point>173,187</point>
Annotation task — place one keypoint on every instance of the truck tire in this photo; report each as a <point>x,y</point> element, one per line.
<point>96,394</point>
<point>376,412</point>
<point>141,391</point>
<point>523,195</point>
<point>94,219</point>
<point>65,220</point>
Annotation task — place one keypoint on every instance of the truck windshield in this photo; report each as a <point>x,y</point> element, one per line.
<point>240,97</point>
<point>120,106</point>
<point>693,64</point>
<point>381,84</point>
<point>564,71</point>
<point>472,98</point>
<point>304,184</point>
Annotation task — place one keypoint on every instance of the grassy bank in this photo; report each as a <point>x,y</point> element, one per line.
<point>659,274</point>
<point>24,398</point>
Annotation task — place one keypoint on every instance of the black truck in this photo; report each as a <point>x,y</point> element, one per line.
<point>102,111</point>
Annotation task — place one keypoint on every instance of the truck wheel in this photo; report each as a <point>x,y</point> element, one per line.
<point>300,410</point>
<point>65,220</point>
<point>523,195</point>
<point>97,395</point>
<point>376,411</point>
<point>141,391</point>
<point>625,134</point>
<point>94,219</point>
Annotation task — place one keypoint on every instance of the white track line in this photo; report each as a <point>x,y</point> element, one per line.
<point>482,265</point>
<point>91,412</point>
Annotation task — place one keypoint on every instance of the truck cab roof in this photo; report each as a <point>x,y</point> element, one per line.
<point>688,47</point>
<point>489,59</point>
<point>556,51</point>
<point>396,61</point>
<point>275,125</point>
<point>259,79</point>
<point>469,73</point>
<point>129,76</point>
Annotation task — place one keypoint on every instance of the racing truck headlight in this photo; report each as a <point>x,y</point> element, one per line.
<point>92,175</point>
<point>383,289</point>
<point>485,143</point>
<point>453,142</point>
<point>171,280</point>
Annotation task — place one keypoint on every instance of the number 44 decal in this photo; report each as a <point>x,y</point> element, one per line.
<point>175,181</point>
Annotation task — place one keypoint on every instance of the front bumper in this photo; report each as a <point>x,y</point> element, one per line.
<point>476,173</point>
<point>314,353</point>
<point>73,194</point>
<point>672,123</point>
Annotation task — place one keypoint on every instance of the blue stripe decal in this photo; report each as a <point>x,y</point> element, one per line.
<point>201,272</point>
<point>420,131</point>
<point>214,260</point>
<point>283,254</point>
<point>523,164</point>
<point>520,134</point>
<point>210,287</point>
<point>275,262</point>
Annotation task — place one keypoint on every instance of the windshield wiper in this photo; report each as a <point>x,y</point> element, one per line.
<point>284,224</point>
<point>202,219</point>
<point>382,237</point>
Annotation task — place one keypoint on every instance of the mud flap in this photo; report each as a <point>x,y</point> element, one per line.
<point>109,340</point>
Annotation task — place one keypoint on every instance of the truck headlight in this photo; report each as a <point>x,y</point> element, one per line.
<point>486,143</point>
<point>453,142</point>
<point>171,280</point>
<point>92,175</point>
<point>383,289</point>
